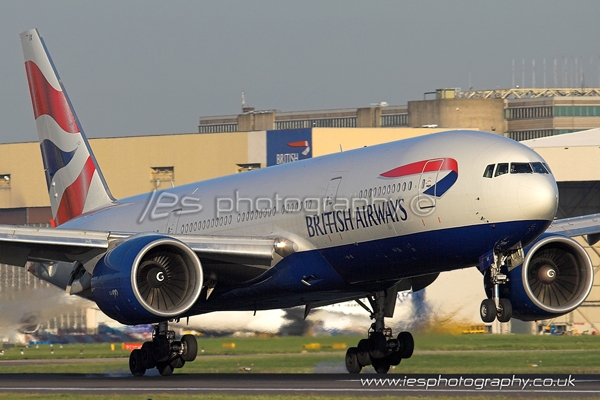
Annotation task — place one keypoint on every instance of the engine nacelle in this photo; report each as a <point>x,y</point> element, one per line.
<point>554,279</point>
<point>147,279</point>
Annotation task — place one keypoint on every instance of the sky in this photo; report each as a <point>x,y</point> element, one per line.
<point>155,67</point>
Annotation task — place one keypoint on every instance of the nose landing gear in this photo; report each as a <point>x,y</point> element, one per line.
<point>496,307</point>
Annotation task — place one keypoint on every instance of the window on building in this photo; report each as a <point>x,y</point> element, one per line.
<point>248,167</point>
<point>4,181</point>
<point>160,175</point>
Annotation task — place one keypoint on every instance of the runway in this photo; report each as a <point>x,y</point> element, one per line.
<point>531,386</point>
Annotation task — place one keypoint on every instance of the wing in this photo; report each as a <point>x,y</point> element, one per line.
<point>586,225</point>
<point>233,259</point>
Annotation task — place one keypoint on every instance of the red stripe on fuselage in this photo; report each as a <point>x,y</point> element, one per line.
<point>73,199</point>
<point>48,101</point>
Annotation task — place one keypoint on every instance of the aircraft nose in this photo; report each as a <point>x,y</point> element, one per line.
<point>538,199</point>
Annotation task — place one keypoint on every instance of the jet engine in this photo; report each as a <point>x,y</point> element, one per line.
<point>147,279</point>
<point>555,277</point>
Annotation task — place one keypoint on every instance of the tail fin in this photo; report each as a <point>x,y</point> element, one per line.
<point>75,182</point>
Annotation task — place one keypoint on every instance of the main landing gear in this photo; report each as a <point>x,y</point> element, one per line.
<point>163,352</point>
<point>495,307</point>
<point>381,349</point>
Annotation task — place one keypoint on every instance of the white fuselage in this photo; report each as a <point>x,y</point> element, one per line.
<point>381,213</point>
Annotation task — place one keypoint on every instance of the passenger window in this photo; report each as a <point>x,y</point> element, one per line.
<point>489,171</point>
<point>520,168</point>
<point>539,168</point>
<point>501,169</point>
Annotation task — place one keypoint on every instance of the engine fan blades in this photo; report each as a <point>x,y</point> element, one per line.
<point>554,277</point>
<point>162,280</point>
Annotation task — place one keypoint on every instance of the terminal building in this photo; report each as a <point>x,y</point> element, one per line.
<point>255,139</point>
<point>520,114</point>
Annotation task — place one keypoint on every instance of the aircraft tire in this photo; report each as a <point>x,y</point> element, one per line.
<point>377,345</point>
<point>147,353</point>
<point>505,310</point>
<point>162,348</point>
<point>407,345</point>
<point>165,368</point>
<point>381,365</point>
<point>136,364</point>
<point>190,347</point>
<point>352,364</point>
<point>395,358</point>
<point>177,362</point>
<point>488,311</point>
<point>363,356</point>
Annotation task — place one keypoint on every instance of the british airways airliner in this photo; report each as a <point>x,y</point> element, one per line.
<point>359,224</point>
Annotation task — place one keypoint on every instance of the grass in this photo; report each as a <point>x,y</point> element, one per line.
<point>295,344</point>
<point>433,354</point>
<point>506,342</point>
<point>69,351</point>
<point>437,354</point>
<point>567,362</point>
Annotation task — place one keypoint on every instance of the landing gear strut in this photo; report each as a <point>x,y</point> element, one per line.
<point>163,352</point>
<point>496,307</point>
<point>381,349</point>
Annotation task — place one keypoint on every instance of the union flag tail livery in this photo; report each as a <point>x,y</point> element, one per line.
<point>75,183</point>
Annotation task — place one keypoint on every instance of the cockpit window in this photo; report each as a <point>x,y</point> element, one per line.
<point>489,171</point>
<point>547,168</point>
<point>520,168</point>
<point>516,168</point>
<point>539,168</point>
<point>501,169</point>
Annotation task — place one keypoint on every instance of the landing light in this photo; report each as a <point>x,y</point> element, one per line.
<point>284,247</point>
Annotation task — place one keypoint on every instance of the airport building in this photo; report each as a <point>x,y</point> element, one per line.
<point>520,114</point>
<point>258,139</point>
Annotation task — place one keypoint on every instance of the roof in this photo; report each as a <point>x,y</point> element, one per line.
<point>590,137</point>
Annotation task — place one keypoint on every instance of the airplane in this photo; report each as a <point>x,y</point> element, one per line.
<point>366,223</point>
